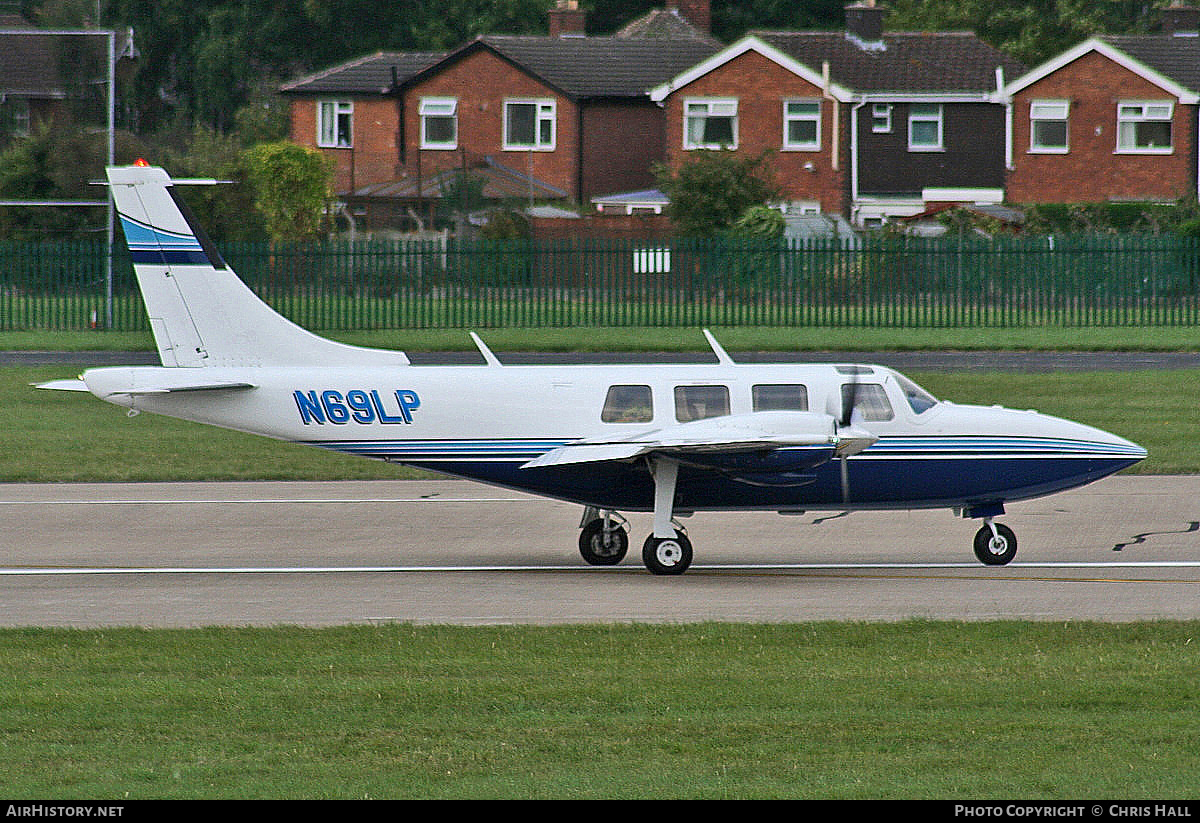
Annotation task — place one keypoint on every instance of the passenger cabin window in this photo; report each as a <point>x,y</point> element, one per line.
<point>700,402</point>
<point>871,404</point>
<point>780,397</point>
<point>628,404</point>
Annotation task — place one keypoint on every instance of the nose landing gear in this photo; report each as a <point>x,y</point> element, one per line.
<point>995,543</point>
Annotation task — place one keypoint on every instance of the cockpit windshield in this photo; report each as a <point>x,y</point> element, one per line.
<point>919,400</point>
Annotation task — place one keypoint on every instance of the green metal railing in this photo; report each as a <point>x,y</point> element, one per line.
<point>873,282</point>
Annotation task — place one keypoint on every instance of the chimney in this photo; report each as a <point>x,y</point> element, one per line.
<point>696,12</point>
<point>1179,20</point>
<point>864,22</point>
<point>566,19</point>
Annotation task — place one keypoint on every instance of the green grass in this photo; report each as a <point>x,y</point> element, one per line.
<point>60,436</point>
<point>742,338</point>
<point>907,710</point>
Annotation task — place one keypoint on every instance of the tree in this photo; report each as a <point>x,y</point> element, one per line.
<point>712,190</point>
<point>292,187</point>
<point>1030,30</point>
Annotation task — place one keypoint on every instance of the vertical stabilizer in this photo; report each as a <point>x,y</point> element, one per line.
<point>201,313</point>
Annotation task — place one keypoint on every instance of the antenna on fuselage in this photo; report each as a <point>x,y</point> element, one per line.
<point>488,357</point>
<point>722,356</point>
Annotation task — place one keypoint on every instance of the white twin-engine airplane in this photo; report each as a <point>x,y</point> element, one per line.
<point>667,439</point>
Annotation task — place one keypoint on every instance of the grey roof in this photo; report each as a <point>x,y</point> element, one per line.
<point>1178,58</point>
<point>906,62</point>
<point>660,24</point>
<point>30,65</point>
<point>374,74</point>
<point>499,182</point>
<point>593,67</point>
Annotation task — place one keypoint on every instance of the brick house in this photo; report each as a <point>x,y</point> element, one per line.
<point>564,116</point>
<point>862,123</point>
<point>1112,119</point>
<point>350,113</point>
<point>46,75</point>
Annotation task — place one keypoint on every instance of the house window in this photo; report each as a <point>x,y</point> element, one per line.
<point>1144,127</point>
<point>1048,126</point>
<point>925,128</point>
<point>802,124</point>
<point>439,122</point>
<point>710,124</point>
<point>529,124</point>
<point>335,123</point>
<point>14,116</point>
<point>881,118</point>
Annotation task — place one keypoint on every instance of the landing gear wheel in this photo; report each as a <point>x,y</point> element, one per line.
<point>667,555</point>
<point>995,549</point>
<point>601,549</point>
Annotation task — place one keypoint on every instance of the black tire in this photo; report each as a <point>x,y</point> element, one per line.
<point>997,550</point>
<point>593,548</point>
<point>667,555</point>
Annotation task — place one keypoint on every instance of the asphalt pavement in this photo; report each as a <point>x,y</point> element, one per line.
<point>1014,361</point>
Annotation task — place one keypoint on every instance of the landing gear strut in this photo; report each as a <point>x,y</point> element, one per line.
<point>604,540</point>
<point>995,543</point>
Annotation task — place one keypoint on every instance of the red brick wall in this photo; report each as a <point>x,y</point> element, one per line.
<point>374,157</point>
<point>481,82</point>
<point>761,86</point>
<point>1092,171</point>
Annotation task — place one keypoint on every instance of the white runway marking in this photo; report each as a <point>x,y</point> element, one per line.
<point>66,572</point>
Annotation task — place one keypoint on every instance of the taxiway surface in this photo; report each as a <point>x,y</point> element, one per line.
<point>185,554</point>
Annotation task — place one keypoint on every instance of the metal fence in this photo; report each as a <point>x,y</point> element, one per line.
<point>874,282</point>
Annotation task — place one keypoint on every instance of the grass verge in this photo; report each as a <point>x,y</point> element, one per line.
<point>907,710</point>
<point>740,338</point>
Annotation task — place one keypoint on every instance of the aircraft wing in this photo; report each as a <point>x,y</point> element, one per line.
<point>730,435</point>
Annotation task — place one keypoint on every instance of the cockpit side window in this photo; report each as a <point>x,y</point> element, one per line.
<point>700,402</point>
<point>780,397</point>
<point>628,404</point>
<point>918,399</point>
<point>871,404</point>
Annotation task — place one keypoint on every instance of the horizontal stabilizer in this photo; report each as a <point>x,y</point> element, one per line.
<point>62,385</point>
<point>210,386</point>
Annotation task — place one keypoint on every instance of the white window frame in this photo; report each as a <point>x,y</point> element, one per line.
<point>440,108</point>
<point>813,117</point>
<point>18,116</point>
<point>329,115</point>
<point>881,118</point>
<point>1132,112</point>
<point>702,108</point>
<point>545,114</point>
<point>924,113</point>
<point>1049,111</point>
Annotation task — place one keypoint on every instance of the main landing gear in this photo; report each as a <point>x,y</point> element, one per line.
<point>604,539</point>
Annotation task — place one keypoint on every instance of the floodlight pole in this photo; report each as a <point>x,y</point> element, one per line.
<point>112,126</point>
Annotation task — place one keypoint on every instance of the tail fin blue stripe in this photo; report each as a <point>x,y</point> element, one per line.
<point>150,245</point>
